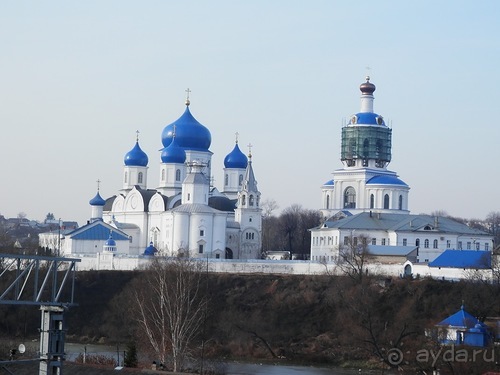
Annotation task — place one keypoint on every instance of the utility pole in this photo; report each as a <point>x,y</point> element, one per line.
<point>50,277</point>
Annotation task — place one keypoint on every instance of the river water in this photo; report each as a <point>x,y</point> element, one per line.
<point>233,368</point>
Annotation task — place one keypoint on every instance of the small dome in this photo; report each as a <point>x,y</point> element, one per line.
<point>110,242</point>
<point>150,250</point>
<point>329,183</point>
<point>136,157</point>
<point>385,180</point>
<point>97,200</point>
<point>189,133</point>
<point>367,88</point>
<point>173,153</point>
<point>367,118</point>
<point>236,158</point>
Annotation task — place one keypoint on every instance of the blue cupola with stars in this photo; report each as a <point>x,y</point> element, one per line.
<point>189,133</point>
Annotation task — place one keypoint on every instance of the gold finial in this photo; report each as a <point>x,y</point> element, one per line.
<point>250,150</point>
<point>236,134</point>
<point>137,135</point>
<point>187,96</point>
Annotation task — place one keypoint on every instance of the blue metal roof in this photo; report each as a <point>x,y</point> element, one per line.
<point>136,157</point>
<point>97,200</point>
<point>97,231</point>
<point>385,180</point>
<point>189,133</point>
<point>461,319</point>
<point>329,183</point>
<point>173,153</point>
<point>477,259</point>
<point>368,118</point>
<point>150,250</point>
<point>236,159</point>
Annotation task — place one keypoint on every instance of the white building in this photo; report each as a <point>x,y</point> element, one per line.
<point>184,215</point>
<point>365,199</point>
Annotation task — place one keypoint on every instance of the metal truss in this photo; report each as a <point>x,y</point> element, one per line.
<point>37,280</point>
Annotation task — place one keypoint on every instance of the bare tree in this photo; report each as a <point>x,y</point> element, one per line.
<point>171,304</point>
<point>353,256</point>
<point>268,207</point>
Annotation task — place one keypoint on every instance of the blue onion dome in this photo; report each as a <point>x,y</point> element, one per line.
<point>110,241</point>
<point>189,133</point>
<point>173,153</point>
<point>150,250</point>
<point>97,200</point>
<point>136,157</point>
<point>236,158</point>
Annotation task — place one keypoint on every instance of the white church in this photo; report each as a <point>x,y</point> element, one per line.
<point>184,215</point>
<point>366,199</point>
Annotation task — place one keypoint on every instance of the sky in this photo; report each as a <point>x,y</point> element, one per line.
<point>79,78</point>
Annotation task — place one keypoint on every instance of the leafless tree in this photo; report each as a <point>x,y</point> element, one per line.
<point>171,304</point>
<point>353,257</point>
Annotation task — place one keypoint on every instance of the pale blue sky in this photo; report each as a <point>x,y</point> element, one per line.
<point>78,78</point>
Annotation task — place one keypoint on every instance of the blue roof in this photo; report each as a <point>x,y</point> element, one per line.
<point>368,118</point>
<point>463,259</point>
<point>329,183</point>
<point>97,200</point>
<point>236,159</point>
<point>97,231</point>
<point>461,319</point>
<point>385,180</point>
<point>136,157</point>
<point>173,153</point>
<point>189,133</point>
<point>150,250</point>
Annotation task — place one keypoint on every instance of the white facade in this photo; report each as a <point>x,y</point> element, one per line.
<point>366,199</point>
<point>184,215</point>
<point>365,183</point>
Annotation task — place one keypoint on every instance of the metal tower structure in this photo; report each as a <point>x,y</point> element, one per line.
<point>47,282</point>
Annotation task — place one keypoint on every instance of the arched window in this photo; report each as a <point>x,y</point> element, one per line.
<point>366,148</point>
<point>139,178</point>
<point>350,197</point>
<point>178,175</point>
<point>125,177</point>
<point>226,180</point>
<point>250,200</point>
<point>417,242</point>
<point>243,200</point>
<point>435,244</point>
<point>372,201</point>
<point>163,174</point>
<point>426,243</point>
<point>327,202</point>
<point>386,201</point>
<point>240,179</point>
<point>400,203</point>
